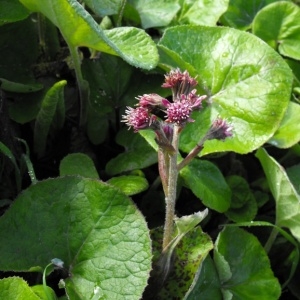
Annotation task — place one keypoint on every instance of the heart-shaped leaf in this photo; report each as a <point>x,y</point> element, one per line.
<point>80,29</point>
<point>283,34</point>
<point>246,81</point>
<point>95,229</point>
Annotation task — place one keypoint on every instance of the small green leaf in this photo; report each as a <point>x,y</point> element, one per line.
<point>46,114</point>
<point>240,13</point>
<point>12,11</point>
<point>283,34</point>
<point>288,134</point>
<point>252,277</point>
<point>286,197</point>
<point>44,292</point>
<point>80,29</point>
<point>208,184</point>
<point>139,154</point>
<point>155,13</point>
<point>16,87</point>
<point>95,229</point>
<point>243,206</point>
<point>105,7</point>
<point>78,164</point>
<point>246,81</point>
<point>208,283</point>
<point>13,288</point>
<point>201,12</point>
<point>294,176</point>
<point>186,223</point>
<point>129,185</point>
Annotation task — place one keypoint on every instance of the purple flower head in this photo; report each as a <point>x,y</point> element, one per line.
<point>149,100</point>
<point>138,118</point>
<point>179,82</point>
<point>178,112</point>
<point>219,130</point>
<point>193,99</point>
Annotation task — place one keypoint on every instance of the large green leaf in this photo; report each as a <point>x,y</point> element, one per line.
<point>208,184</point>
<point>284,34</point>
<point>286,197</point>
<point>240,13</point>
<point>96,230</point>
<point>250,275</point>
<point>246,81</point>
<point>288,134</point>
<point>80,29</point>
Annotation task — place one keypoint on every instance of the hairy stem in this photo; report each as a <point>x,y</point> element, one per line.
<point>171,193</point>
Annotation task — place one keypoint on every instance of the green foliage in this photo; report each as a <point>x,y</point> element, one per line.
<point>96,230</point>
<point>69,70</point>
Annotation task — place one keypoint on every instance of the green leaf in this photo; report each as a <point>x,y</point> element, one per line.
<point>294,176</point>
<point>16,87</point>
<point>95,229</point>
<point>283,34</point>
<point>208,184</point>
<point>240,13</point>
<point>78,164</point>
<point>80,29</point>
<point>13,288</point>
<point>252,277</point>
<point>243,206</point>
<point>44,292</point>
<point>188,252</point>
<point>46,114</point>
<point>155,13</point>
<point>105,7</point>
<point>6,151</point>
<point>12,11</point>
<point>208,283</point>
<point>201,12</point>
<point>139,154</point>
<point>284,193</point>
<point>288,134</point>
<point>129,185</point>
<point>246,81</point>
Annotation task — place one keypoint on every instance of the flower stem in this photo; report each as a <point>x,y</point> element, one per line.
<point>171,191</point>
<point>194,152</point>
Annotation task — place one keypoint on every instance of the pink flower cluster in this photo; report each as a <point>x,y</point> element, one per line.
<point>185,101</point>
